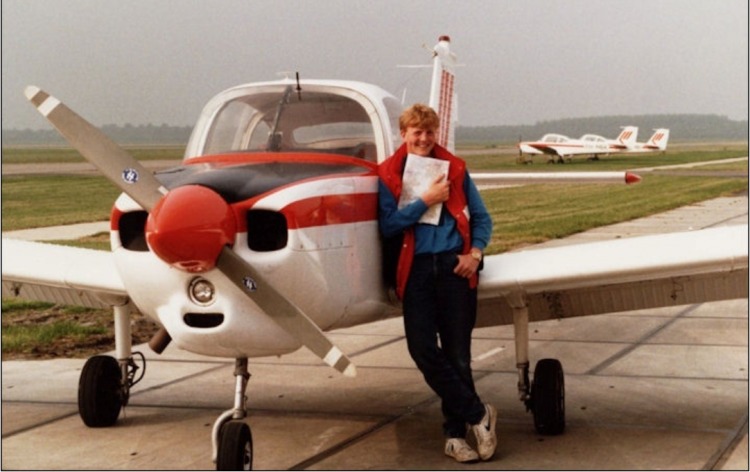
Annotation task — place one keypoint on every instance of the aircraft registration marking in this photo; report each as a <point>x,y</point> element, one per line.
<point>130,175</point>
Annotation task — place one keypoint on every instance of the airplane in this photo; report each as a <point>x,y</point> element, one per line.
<point>561,146</point>
<point>266,237</point>
<point>656,143</point>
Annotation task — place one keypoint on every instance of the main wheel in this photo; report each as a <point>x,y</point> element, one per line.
<point>235,447</point>
<point>99,392</point>
<point>548,397</point>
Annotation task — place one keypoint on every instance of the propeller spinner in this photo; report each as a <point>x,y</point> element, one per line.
<point>189,227</point>
<point>170,236</point>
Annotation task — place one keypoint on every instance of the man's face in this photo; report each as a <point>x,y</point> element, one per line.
<point>419,141</point>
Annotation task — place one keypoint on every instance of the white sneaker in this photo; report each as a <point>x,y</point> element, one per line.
<point>485,433</point>
<point>460,450</point>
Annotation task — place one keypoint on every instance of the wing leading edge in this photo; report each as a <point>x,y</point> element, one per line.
<point>61,274</point>
<point>611,276</point>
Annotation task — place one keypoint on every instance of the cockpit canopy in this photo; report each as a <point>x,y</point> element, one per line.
<point>554,138</point>
<point>593,138</point>
<point>357,120</point>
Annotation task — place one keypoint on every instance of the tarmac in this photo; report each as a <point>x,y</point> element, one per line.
<point>651,389</point>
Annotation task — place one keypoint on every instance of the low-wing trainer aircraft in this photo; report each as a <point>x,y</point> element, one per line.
<point>266,237</point>
<point>558,147</point>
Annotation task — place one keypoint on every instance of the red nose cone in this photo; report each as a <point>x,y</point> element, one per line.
<point>189,227</point>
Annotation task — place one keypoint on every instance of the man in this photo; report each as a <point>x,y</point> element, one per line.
<point>436,278</point>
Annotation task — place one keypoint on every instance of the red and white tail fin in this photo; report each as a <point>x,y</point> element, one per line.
<point>628,136</point>
<point>659,140</point>
<point>442,93</point>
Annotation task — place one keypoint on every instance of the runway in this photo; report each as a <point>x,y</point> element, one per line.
<point>651,389</point>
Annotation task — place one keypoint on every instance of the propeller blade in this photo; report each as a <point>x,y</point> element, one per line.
<point>284,312</point>
<point>114,162</point>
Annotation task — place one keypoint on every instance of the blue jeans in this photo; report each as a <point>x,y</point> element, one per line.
<point>439,316</point>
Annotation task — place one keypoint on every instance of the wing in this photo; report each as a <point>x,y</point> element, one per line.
<point>521,178</point>
<point>546,149</point>
<point>620,275</point>
<point>61,274</point>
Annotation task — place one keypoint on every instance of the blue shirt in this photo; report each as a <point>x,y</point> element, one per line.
<point>431,239</point>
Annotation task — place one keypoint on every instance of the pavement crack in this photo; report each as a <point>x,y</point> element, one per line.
<point>638,343</point>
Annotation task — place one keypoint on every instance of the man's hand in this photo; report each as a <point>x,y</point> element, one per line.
<point>438,192</point>
<point>467,266</point>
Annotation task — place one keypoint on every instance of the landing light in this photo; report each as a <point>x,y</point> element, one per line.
<point>201,291</point>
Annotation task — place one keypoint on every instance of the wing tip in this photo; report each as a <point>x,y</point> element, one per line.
<point>631,178</point>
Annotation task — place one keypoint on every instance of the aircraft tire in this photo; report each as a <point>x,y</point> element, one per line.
<point>548,397</point>
<point>235,447</point>
<point>99,392</point>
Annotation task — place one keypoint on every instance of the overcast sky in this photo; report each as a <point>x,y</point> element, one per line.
<point>159,61</point>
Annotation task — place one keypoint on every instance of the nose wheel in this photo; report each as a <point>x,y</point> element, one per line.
<point>235,447</point>
<point>231,436</point>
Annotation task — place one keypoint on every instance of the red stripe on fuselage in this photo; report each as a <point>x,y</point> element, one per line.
<point>306,212</point>
<point>220,160</point>
<point>444,106</point>
<point>331,210</point>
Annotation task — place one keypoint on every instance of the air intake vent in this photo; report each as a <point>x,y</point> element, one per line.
<point>133,231</point>
<point>266,230</point>
<point>203,320</point>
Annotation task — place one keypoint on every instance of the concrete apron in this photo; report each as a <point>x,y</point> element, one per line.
<point>651,389</point>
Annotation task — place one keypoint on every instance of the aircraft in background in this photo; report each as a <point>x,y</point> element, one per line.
<point>267,236</point>
<point>558,146</point>
<point>657,142</point>
<point>624,141</point>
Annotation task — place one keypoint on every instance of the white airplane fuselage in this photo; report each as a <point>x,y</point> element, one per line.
<point>318,240</point>
<point>560,145</point>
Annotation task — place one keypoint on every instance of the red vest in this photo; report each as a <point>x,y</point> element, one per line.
<point>390,173</point>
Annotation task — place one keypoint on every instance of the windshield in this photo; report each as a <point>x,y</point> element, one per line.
<point>287,120</point>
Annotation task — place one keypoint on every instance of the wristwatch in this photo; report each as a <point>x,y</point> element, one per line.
<point>476,254</point>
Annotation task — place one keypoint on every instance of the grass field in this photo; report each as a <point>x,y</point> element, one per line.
<point>49,154</point>
<point>25,325</point>
<point>536,213</point>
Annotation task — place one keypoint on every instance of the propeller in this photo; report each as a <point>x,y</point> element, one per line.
<point>143,187</point>
<point>117,165</point>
